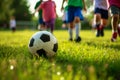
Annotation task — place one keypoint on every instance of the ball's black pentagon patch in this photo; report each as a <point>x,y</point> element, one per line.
<point>55,47</point>
<point>42,52</point>
<point>31,42</point>
<point>45,37</point>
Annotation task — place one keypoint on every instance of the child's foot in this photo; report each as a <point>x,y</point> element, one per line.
<point>70,39</point>
<point>78,39</point>
<point>114,37</point>
<point>102,32</point>
<point>98,33</point>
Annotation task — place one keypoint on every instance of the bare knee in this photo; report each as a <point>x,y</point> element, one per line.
<point>77,20</point>
<point>115,17</point>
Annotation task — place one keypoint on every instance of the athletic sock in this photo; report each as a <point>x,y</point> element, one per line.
<point>70,33</point>
<point>98,26</point>
<point>77,29</point>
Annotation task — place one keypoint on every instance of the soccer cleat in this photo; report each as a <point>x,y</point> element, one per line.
<point>102,32</point>
<point>98,33</point>
<point>114,37</point>
<point>118,31</point>
<point>101,28</point>
<point>70,39</point>
<point>78,39</point>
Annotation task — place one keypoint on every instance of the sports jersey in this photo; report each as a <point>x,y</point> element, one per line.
<point>49,10</point>
<point>75,3</point>
<point>102,4</point>
<point>114,3</point>
<point>40,11</point>
<point>65,6</point>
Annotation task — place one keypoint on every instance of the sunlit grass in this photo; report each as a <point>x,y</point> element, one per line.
<point>91,59</point>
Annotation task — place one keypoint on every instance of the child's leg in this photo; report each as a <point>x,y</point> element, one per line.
<point>118,30</point>
<point>97,19</point>
<point>77,29</point>
<point>77,18</point>
<point>103,24</point>
<point>51,25</point>
<point>114,21</point>
<point>70,31</point>
<point>104,19</point>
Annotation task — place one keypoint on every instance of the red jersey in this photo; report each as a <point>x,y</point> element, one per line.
<point>49,10</point>
<point>114,3</point>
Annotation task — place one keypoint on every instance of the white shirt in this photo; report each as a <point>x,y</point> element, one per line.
<point>12,23</point>
<point>102,4</point>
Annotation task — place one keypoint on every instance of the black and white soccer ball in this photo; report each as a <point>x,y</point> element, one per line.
<point>43,43</point>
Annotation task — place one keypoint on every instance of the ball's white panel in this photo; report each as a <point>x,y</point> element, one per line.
<point>39,44</point>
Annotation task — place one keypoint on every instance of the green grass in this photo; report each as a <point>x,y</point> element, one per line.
<point>91,59</point>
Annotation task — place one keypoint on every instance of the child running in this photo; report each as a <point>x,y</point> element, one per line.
<point>48,13</point>
<point>100,16</point>
<point>115,15</point>
<point>41,23</point>
<point>74,17</point>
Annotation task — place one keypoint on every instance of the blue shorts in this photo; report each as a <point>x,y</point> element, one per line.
<point>102,12</point>
<point>74,12</point>
<point>40,20</point>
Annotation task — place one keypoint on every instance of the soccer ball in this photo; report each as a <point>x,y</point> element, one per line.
<point>43,43</point>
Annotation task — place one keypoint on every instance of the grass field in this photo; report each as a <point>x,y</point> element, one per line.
<point>91,59</point>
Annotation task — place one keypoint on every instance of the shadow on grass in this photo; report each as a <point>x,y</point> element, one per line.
<point>103,69</point>
<point>111,45</point>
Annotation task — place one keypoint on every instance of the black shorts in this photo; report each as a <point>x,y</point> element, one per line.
<point>102,12</point>
<point>114,10</point>
<point>13,28</point>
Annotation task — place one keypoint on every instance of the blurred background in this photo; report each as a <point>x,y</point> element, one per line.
<point>23,9</point>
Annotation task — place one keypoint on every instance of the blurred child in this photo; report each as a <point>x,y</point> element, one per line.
<point>13,24</point>
<point>41,23</point>
<point>115,15</point>
<point>100,16</point>
<point>64,8</point>
<point>74,17</point>
<point>48,13</point>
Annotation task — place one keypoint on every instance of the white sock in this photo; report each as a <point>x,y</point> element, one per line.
<point>77,29</point>
<point>70,33</point>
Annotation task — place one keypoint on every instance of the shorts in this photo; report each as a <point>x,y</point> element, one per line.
<point>40,20</point>
<point>74,12</point>
<point>13,28</point>
<point>50,24</point>
<point>114,10</point>
<point>104,13</point>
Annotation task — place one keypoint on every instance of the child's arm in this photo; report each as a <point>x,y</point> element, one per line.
<point>84,5</point>
<point>62,5</point>
<point>37,9</point>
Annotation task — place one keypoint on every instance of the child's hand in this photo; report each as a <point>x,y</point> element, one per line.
<point>85,10</point>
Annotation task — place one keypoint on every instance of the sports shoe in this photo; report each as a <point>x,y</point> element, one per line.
<point>118,31</point>
<point>114,37</point>
<point>70,39</point>
<point>78,39</point>
<point>102,32</point>
<point>98,33</point>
